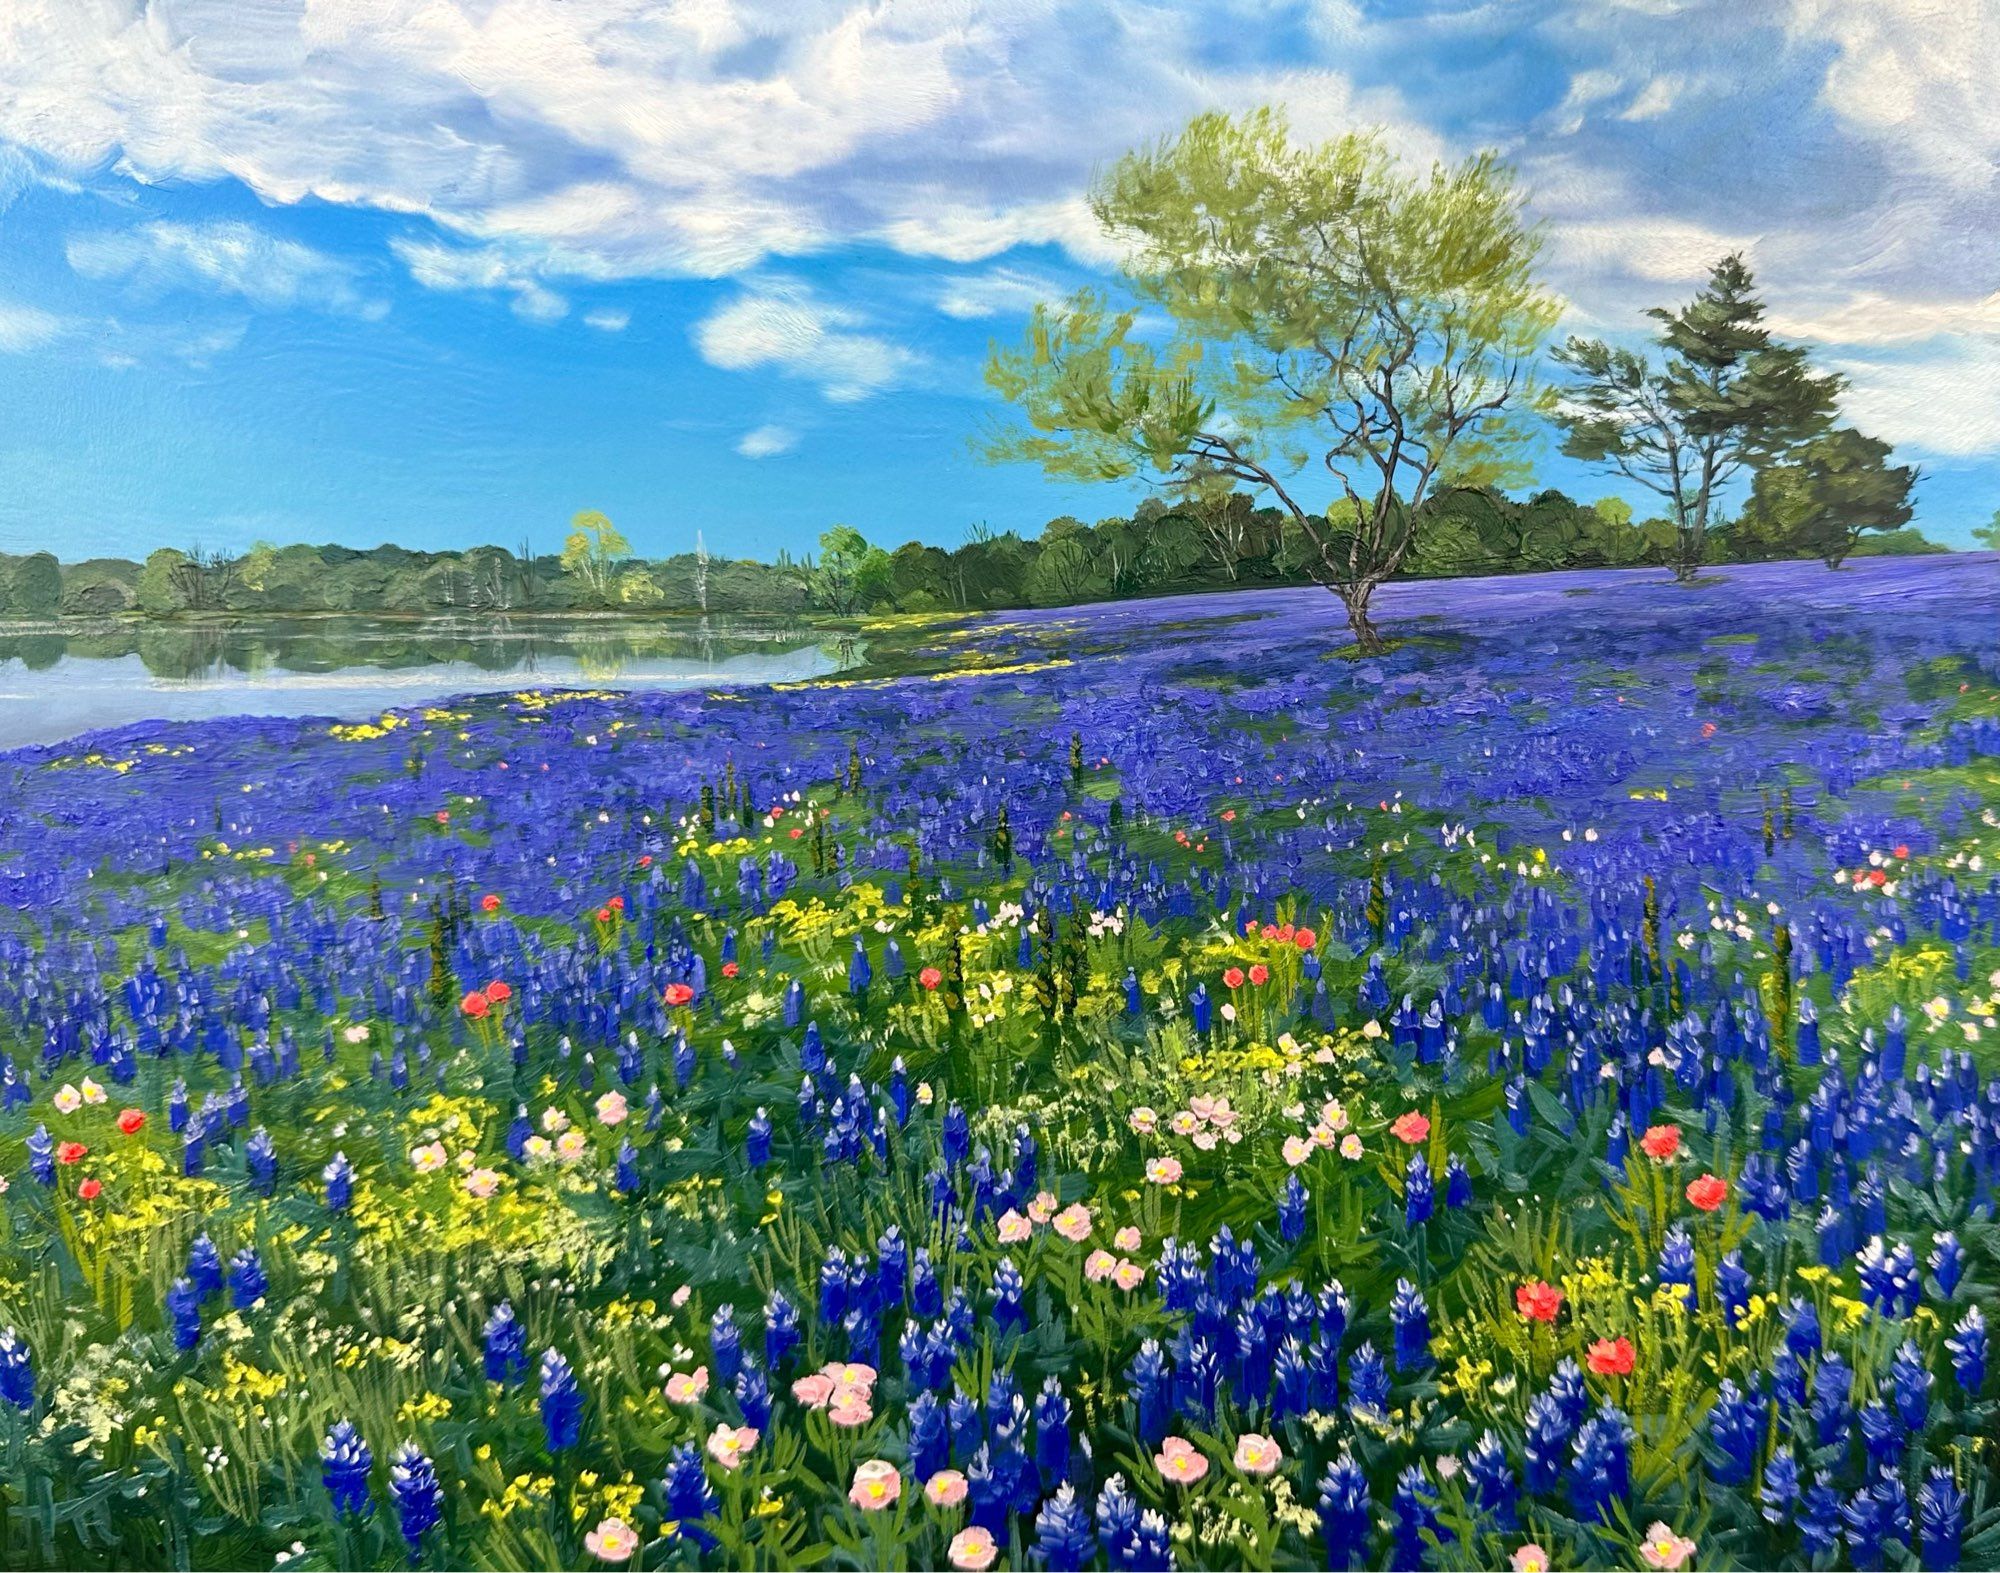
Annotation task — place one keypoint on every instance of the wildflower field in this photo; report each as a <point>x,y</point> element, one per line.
<point>1146,1086</point>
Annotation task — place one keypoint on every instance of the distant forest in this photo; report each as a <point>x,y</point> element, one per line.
<point>1163,548</point>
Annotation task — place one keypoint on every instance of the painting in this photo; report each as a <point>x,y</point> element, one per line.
<point>1013,784</point>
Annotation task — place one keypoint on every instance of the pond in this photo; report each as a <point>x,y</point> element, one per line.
<point>59,683</point>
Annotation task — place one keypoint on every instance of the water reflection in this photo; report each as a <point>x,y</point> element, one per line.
<point>56,684</point>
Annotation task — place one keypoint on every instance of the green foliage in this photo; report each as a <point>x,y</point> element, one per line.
<point>1328,310</point>
<point>1824,496</point>
<point>591,551</point>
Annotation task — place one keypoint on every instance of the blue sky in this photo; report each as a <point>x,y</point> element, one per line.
<point>446,271</point>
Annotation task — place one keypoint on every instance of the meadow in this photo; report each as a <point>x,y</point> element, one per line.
<point>1116,1087</point>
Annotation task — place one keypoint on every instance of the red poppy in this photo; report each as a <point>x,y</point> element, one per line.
<point>129,1121</point>
<point>1305,939</point>
<point>1708,1193</point>
<point>1411,1127</point>
<point>796,832</point>
<point>1285,933</point>
<point>930,977</point>
<point>616,903</point>
<point>475,1005</point>
<point>1233,977</point>
<point>1228,814</point>
<point>1610,1357</point>
<point>1538,1301</point>
<point>444,816</point>
<point>646,861</point>
<point>1260,973</point>
<point>1661,1142</point>
<point>730,969</point>
<point>489,902</point>
<point>604,914</point>
<point>1902,851</point>
<point>499,993</point>
<point>1270,931</point>
<point>71,1152</point>
<point>91,1189</point>
<point>678,994</point>
<point>1708,729</point>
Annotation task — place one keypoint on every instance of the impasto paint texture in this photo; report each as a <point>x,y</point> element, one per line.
<point>625,944</point>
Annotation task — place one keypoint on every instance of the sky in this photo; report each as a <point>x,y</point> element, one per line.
<point>447,271</point>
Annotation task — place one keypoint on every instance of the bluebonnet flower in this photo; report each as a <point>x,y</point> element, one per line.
<point>1677,1263</point>
<point>1940,1522</point>
<point>506,1341</point>
<point>1735,1426</point>
<point>1292,1209</point>
<point>1009,1315</point>
<point>1065,1541</point>
<point>1910,1383</point>
<point>690,1498</point>
<point>1410,1319</point>
<point>17,1372</point>
<point>1877,1518</point>
<point>339,1177</point>
<point>753,1396</point>
<point>247,1282</point>
<point>1780,1490</point>
<point>1600,1470</point>
<point>1419,1193</point>
<point>1413,1511</point>
<point>1343,1513</point>
<point>1052,1433</point>
<point>413,1483</point>
<point>930,1436</point>
<point>1968,1352</point>
<point>1491,1477</point>
<point>1820,1516</point>
<point>562,1402</point>
<point>204,1268</point>
<point>1457,1183</point>
<point>725,1343</point>
<point>345,1463</point>
<point>1947,1264</point>
<point>1367,1382</point>
<point>260,1157</point>
<point>1151,1388</point>
<point>1547,1445</point>
<point>183,1308</point>
<point>1831,1411</point>
<point>1732,1287</point>
<point>781,1330</point>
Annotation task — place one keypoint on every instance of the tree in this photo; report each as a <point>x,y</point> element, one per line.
<point>1827,494</point>
<point>591,551</point>
<point>1328,309</point>
<point>1988,535</point>
<point>1725,395</point>
<point>36,585</point>
<point>848,574</point>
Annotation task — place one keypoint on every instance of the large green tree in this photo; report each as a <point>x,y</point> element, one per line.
<point>591,551</point>
<point>1724,395</point>
<point>1826,495</point>
<point>1333,318</point>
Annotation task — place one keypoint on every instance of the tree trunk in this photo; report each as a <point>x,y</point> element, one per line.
<point>1355,598</point>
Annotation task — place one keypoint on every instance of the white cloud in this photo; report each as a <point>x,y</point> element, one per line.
<point>1001,290</point>
<point>1654,99</point>
<point>781,325</point>
<point>1944,401</point>
<point>767,442</point>
<point>25,328</point>
<point>455,268</point>
<point>224,257</point>
<point>606,320</point>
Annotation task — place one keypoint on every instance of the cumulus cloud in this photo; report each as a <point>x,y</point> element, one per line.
<point>767,442</point>
<point>1943,399</point>
<point>455,268</point>
<point>783,326</point>
<point>227,258</point>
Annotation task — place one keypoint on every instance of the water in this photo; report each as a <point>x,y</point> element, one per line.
<point>56,685</point>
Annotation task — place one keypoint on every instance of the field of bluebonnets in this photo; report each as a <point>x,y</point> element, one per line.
<point>1148,1087</point>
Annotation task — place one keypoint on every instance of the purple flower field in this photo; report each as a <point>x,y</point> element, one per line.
<point>1145,1087</point>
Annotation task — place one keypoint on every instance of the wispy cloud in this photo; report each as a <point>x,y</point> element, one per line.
<point>1003,290</point>
<point>25,328</point>
<point>606,320</point>
<point>224,258</point>
<point>782,326</point>
<point>458,269</point>
<point>767,442</point>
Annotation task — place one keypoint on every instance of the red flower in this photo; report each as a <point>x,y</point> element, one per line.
<point>604,914</point>
<point>1538,1301</point>
<point>499,993</point>
<point>444,816</point>
<point>1270,931</point>
<point>1708,1193</point>
<point>930,977</point>
<point>616,903</point>
<point>1260,973</point>
<point>1228,814</point>
<point>1305,939</point>
<point>1610,1357</point>
<point>730,969</point>
<point>1708,729</point>
<point>1233,977</point>
<point>489,902</point>
<point>71,1152</point>
<point>129,1121</point>
<point>796,832</point>
<point>646,861</point>
<point>475,1005</point>
<point>1661,1142</point>
<point>678,994</point>
<point>90,1190</point>
<point>1411,1127</point>
<point>1902,851</point>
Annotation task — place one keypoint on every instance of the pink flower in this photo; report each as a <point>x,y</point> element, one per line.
<point>1530,1558</point>
<point>1127,1238</point>
<point>1043,1207</point>
<point>1099,1265</point>
<point>813,1391</point>
<point>973,1550</point>
<point>1014,1228</point>
<point>613,1540</point>
<point>686,1387</point>
<point>1164,1171</point>
<point>1297,1150</point>
<point>728,1444</point>
<point>848,1373</point>
<point>1073,1223</point>
<point>1178,1459</point>
<point>1665,1550</point>
<point>946,1488</point>
<point>850,1408</point>
<point>1128,1275</point>
<point>1257,1455</point>
<point>876,1485</point>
